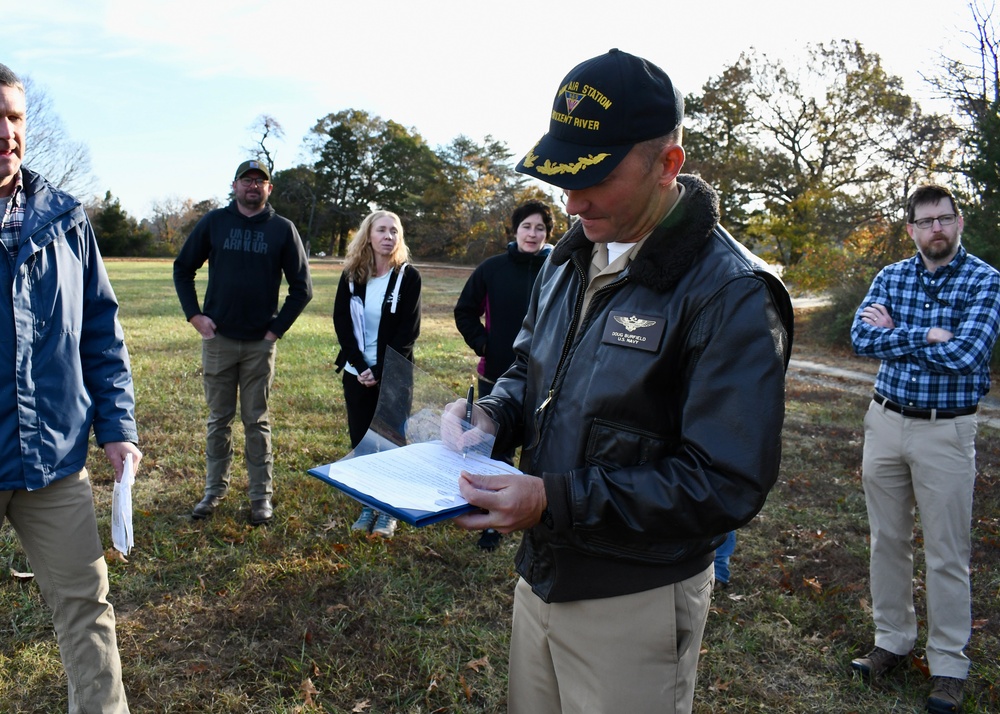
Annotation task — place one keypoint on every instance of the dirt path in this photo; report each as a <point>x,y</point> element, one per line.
<point>860,383</point>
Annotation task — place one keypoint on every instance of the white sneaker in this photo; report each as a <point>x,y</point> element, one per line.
<point>385,526</point>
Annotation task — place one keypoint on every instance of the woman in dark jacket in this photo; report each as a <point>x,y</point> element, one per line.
<point>495,298</point>
<point>491,308</point>
<point>377,307</point>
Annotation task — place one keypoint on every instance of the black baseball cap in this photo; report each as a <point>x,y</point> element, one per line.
<point>603,108</point>
<point>252,165</point>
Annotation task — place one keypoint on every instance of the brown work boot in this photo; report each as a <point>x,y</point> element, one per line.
<point>946,695</point>
<point>877,663</point>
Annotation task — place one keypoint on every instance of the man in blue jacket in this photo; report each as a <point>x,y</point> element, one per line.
<point>65,368</point>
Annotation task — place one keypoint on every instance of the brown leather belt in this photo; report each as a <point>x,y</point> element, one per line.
<point>915,413</point>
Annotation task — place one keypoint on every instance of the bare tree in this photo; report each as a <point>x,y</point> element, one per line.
<point>172,220</point>
<point>972,83</point>
<point>50,151</point>
<point>263,128</point>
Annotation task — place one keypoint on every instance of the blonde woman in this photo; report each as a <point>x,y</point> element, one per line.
<point>385,291</point>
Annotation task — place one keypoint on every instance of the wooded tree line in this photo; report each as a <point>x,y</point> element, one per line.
<point>454,201</point>
<point>812,161</point>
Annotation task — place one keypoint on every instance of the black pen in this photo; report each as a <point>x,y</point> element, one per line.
<point>468,414</point>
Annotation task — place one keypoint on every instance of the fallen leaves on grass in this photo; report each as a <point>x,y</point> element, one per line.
<point>361,706</point>
<point>921,664</point>
<point>308,689</point>
<point>21,577</point>
<point>113,555</point>
<point>477,664</point>
<point>719,686</point>
<point>432,553</point>
<point>813,584</point>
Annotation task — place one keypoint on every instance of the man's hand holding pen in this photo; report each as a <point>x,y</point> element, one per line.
<point>469,400</point>
<point>510,502</point>
<point>464,425</point>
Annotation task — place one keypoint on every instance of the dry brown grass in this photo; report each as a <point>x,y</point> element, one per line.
<point>220,617</point>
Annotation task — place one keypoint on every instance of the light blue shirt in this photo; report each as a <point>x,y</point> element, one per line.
<point>375,290</point>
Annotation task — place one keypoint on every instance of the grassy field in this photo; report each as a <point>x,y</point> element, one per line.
<point>216,616</point>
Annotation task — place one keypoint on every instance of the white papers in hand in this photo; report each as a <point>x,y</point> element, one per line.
<point>421,477</point>
<point>121,509</point>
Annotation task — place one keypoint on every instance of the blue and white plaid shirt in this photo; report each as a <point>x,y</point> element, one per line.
<point>13,217</point>
<point>962,297</point>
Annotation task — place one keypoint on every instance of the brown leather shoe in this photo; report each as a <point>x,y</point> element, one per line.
<point>946,695</point>
<point>205,507</point>
<point>877,662</point>
<point>261,511</point>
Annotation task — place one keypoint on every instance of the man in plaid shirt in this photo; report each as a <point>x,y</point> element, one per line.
<point>932,319</point>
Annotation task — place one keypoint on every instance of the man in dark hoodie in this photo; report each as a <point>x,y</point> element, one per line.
<point>248,248</point>
<point>647,394</point>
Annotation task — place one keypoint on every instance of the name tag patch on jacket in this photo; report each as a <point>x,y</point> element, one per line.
<point>628,329</point>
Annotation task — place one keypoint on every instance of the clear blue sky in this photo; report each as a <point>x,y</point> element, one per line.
<point>164,93</point>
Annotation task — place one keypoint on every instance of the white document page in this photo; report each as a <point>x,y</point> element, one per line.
<point>422,477</point>
<point>121,509</point>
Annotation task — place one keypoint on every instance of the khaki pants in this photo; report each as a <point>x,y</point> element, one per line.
<point>247,367</point>
<point>633,653</point>
<point>58,531</point>
<point>931,466</point>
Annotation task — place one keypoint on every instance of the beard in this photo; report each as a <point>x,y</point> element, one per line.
<point>253,201</point>
<point>939,249</point>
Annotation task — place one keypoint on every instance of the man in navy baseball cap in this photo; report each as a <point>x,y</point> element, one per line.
<point>647,396</point>
<point>603,108</point>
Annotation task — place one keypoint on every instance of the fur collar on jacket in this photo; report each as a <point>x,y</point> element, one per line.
<point>673,246</point>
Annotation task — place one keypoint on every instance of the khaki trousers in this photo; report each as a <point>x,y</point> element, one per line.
<point>633,653</point>
<point>245,367</point>
<point>928,465</point>
<point>57,528</point>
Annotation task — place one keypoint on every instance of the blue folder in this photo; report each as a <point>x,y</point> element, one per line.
<point>407,515</point>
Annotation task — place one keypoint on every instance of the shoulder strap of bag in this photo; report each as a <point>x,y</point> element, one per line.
<point>395,290</point>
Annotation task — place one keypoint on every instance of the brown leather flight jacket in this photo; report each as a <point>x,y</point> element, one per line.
<point>655,419</point>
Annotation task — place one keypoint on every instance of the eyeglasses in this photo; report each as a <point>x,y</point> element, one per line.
<point>945,220</point>
<point>248,182</point>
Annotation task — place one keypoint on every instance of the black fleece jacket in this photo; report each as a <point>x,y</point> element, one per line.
<point>499,289</point>
<point>246,258</point>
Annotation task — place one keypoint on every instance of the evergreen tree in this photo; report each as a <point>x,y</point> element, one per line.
<point>118,234</point>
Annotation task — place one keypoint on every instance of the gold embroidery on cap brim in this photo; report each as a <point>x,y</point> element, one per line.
<point>551,169</point>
